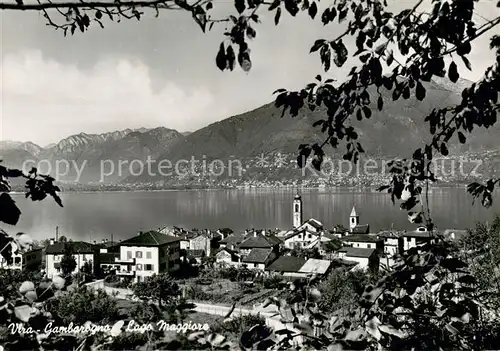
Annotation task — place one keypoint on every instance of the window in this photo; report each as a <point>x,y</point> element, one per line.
<point>129,255</point>
<point>139,267</point>
<point>138,254</point>
<point>309,236</point>
<point>148,267</point>
<point>148,254</point>
<point>17,260</point>
<point>297,208</point>
<point>56,258</point>
<point>369,246</point>
<point>300,236</point>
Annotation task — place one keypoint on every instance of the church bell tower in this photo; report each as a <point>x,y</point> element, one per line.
<point>297,211</point>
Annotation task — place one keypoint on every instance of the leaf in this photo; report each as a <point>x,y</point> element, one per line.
<point>315,294</point>
<point>216,339</point>
<point>23,313</point>
<point>367,111</point>
<point>355,335</point>
<point>240,6</point>
<point>313,10</point>
<point>58,282</point>
<point>380,103</point>
<point>452,329</point>
<point>317,45</point>
<point>467,63</point>
<point>420,91</point>
<point>326,57</point>
<point>230,57</point>
<point>389,329</point>
<point>220,59</point>
<point>372,327</point>
<point>444,149</point>
<point>453,72</point>
<point>26,286</point>
<point>461,138</point>
<point>277,16</point>
<point>9,212</point>
<point>116,329</point>
<point>31,295</point>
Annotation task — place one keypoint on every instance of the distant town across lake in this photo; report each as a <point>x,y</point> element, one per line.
<point>95,216</point>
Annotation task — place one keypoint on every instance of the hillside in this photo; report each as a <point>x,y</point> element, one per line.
<point>394,132</point>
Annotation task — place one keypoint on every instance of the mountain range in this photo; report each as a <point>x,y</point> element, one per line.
<point>395,131</point>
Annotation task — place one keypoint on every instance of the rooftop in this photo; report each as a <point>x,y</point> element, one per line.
<point>357,252</point>
<point>315,266</point>
<point>361,229</point>
<point>287,264</point>
<point>259,241</point>
<point>418,234</point>
<point>363,238</point>
<point>76,246</point>
<point>258,255</point>
<point>233,239</point>
<point>151,238</point>
<point>353,212</point>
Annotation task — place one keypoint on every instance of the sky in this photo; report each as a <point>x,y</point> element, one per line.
<point>156,72</point>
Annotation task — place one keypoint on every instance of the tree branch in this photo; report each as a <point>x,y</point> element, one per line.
<point>82,4</point>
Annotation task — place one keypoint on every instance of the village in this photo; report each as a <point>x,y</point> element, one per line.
<point>307,248</point>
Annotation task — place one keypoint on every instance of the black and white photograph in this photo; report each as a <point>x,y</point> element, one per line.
<point>249,175</point>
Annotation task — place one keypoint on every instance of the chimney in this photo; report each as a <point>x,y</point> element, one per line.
<point>51,241</point>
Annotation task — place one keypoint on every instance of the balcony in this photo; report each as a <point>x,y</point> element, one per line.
<point>125,273</point>
<point>128,261</point>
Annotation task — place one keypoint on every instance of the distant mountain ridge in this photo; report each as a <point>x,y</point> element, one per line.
<point>394,132</point>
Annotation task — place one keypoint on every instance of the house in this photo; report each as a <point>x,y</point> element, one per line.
<point>107,262</point>
<point>365,258</point>
<point>418,237</point>
<point>258,241</point>
<point>454,234</point>
<point>365,241</point>
<point>149,253</point>
<point>232,241</point>
<point>227,257</point>
<point>391,245</point>
<point>259,258</point>
<point>82,252</point>
<point>31,259</point>
<point>288,266</point>
<point>301,238</point>
<point>314,266</point>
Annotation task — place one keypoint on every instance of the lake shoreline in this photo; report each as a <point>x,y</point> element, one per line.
<point>273,188</point>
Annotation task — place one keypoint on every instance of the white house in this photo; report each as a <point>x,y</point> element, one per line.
<point>227,257</point>
<point>365,258</point>
<point>364,241</point>
<point>81,251</point>
<point>149,253</point>
<point>30,259</point>
<point>419,237</point>
<point>259,258</point>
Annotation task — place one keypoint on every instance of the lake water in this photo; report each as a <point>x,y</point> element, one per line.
<point>93,216</point>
